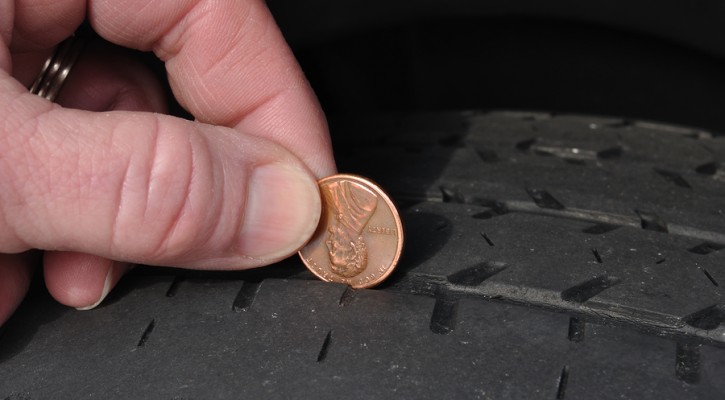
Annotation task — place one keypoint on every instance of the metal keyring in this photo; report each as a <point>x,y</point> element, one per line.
<point>57,66</point>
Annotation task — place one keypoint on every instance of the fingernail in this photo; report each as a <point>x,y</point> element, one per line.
<point>282,211</point>
<point>104,292</point>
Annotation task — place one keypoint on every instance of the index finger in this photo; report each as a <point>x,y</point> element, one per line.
<point>227,62</point>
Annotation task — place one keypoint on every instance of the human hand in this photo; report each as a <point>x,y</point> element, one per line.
<point>103,175</point>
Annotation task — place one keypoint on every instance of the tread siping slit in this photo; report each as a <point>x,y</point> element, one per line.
<point>146,333</point>
<point>174,287</point>
<point>325,347</point>
<point>597,256</point>
<point>347,296</point>
<point>563,381</point>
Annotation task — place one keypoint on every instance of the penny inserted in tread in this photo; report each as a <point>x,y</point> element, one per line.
<point>360,237</point>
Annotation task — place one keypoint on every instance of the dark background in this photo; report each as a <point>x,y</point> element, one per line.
<point>661,61</point>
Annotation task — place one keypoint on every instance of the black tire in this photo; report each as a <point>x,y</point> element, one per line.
<point>546,257</point>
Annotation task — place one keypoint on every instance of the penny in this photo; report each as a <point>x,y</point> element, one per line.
<point>360,237</point>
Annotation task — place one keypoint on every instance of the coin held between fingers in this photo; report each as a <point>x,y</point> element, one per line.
<point>359,239</point>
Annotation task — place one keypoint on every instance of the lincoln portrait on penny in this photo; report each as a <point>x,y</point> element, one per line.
<point>352,205</point>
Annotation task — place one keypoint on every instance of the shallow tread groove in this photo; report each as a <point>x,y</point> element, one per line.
<point>611,153</point>
<point>475,275</point>
<point>445,315</point>
<point>586,290</point>
<point>710,168</point>
<point>544,199</point>
<point>687,362</point>
<point>706,248</point>
<point>246,295</point>
<point>577,328</point>
<point>495,209</point>
<point>673,177</point>
<point>600,229</point>
<point>708,318</point>
<point>450,195</point>
<point>487,156</point>
<point>525,145</point>
<point>651,222</point>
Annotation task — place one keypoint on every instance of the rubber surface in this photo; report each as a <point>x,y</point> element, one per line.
<point>546,257</point>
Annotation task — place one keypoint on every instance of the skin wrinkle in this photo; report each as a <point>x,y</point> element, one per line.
<point>170,42</point>
<point>154,150</point>
<point>166,239</point>
<point>113,237</point>
<point>217,198</point>
<point>220,206</point>
<point>241,217</point>
<point>172,47</point>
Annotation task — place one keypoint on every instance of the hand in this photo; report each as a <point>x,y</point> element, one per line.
<point>103,175</point>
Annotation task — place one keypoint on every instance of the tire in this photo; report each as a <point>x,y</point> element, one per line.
<point>547,256</point>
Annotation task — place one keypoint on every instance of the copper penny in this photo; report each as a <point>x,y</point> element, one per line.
<point>360,236</point>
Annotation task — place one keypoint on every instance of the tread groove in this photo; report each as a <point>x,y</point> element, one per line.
<point>245,296</point>
<point>599,229</point>
<point>486,155</point>
<point>611,153</point>
<point>648,223</point>
<point>525,145</point>
<point>495,209</point>
<point>710,168</point>
<point>687,362</point>
<point>673,177</point>
<point>651,222</point>
<point>445,316</point>
<point>585,291</point>
<point>475,275</point>
<point>577,327</point>
<point>707,319</point>
<point>544,199</point>
<point>706,248</point>
<point>450,195</point>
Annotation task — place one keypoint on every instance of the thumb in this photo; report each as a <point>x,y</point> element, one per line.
<point>147,188</point>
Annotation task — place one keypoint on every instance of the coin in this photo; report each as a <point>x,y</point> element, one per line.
<point>360,237</point>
